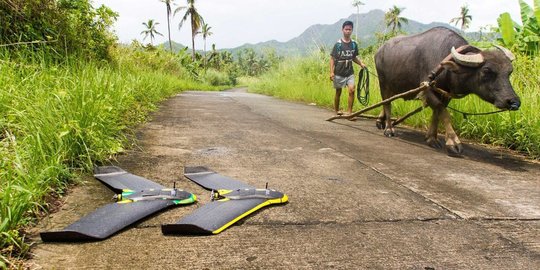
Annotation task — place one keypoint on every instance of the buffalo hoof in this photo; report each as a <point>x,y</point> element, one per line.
<point>433,142</point>
<point>454,150</point>
<point>389,133</point>
<point>380,124</point>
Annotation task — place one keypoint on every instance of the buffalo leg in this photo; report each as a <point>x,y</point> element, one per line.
<point>453,144</point>
<point>431,135</point>
<point>380,123</point>
<point>389,129</point>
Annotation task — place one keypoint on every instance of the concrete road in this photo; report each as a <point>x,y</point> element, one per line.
<point>357,199</point>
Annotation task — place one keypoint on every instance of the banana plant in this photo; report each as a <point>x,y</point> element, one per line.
<point>507,29</point>
<point>524,37</point>
<point>537,10</point>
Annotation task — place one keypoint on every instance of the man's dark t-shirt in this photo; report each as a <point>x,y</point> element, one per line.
<point>343,58</point>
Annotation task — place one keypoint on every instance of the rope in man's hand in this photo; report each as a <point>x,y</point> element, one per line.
<point>363,84</point>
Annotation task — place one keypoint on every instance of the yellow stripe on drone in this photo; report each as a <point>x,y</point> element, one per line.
<point>274,201</point>
<point>125,201</point>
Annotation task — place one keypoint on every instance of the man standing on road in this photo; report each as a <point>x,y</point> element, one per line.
<point>343,54</point>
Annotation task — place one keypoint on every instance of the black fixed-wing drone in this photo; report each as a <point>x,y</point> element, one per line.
<point>138,198</point>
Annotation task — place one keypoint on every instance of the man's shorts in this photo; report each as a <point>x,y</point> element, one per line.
<point>340,82</point>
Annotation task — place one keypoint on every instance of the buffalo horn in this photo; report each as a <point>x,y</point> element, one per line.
<point>469,60</point>
<point>506,52</point>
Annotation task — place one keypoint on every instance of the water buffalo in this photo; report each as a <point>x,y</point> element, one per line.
<point>406,61</point>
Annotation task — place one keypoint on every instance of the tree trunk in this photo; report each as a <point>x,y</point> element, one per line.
<point>357,26</point>
<point>357,4</point>
<point>204,52</point>
<point>192,40</point>
<point>169,28</point>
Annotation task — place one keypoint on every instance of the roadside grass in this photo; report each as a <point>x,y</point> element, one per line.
<point>58,120</point>
<point>307,80</point>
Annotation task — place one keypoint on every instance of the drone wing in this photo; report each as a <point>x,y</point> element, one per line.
<point>238,201</point>
<point>118,180</point>
<point>106,221</point>
<point>113,217</point>
<point>211,180</point>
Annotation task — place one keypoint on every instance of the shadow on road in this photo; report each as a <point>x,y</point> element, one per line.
<point>470,151</point>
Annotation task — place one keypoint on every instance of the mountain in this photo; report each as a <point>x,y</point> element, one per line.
<point>325,35</point>
<point>175,46</point>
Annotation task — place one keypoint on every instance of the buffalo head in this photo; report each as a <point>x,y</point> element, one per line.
<point>485,73</point>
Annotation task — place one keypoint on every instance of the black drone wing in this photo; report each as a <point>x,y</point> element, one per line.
<point>106,221</point>
<point>113,217</point>
<point>211,180</point>
<point>216,216</point>
<point>236,201</point>
<point>118,179</point>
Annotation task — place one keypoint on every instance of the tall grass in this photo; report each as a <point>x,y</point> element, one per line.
<point>57,120</point>
<point>307,79</point>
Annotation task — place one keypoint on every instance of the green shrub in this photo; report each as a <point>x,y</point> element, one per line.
<point>215,77</point>
<point>69,26</point>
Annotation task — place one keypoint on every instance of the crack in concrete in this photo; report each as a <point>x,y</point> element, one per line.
<point>388,178</point>
<point>502,219</point>
<point>406,220</point>
<point>422,220</point>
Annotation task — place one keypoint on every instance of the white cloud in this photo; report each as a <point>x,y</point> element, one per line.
<point>235,22</point>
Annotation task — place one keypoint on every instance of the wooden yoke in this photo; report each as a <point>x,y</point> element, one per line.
<point>423,86</point>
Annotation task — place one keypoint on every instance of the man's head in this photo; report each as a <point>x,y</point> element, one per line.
<point>347,23</point>
<point>347,28</point>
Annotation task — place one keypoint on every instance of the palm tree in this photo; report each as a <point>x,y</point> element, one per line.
<point>465,18</point>
<point>196,22</point>
<point>150,30</point>
<point>392,18</point>
<point>357,4</point>
<point>169,12</point>
<point>205,33</point>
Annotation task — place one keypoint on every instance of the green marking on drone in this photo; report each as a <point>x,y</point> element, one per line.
<point>189,200</point>
<point>127,192</point>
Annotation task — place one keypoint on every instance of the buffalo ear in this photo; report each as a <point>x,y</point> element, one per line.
<point>452,66</point>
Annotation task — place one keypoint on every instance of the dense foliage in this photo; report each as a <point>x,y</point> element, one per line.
<point>524,37</point>
<point>223,68</point>
<point>66,26</point>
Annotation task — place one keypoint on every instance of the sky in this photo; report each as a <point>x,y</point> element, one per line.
<point>236,22</point>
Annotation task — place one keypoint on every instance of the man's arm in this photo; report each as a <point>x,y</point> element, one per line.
<point>359,62</point>
<point>332,68</point>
